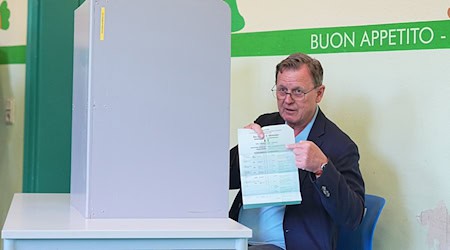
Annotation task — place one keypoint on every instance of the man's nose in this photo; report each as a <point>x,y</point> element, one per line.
<point>288,98</point>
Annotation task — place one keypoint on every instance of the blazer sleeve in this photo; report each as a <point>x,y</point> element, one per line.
<point>341,187</point>
<point>235,179</point>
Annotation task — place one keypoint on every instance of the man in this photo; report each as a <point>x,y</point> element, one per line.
<point>330,180</point>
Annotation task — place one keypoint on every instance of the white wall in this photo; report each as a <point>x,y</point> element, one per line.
<point>394,104</point>
<point>12,86</point>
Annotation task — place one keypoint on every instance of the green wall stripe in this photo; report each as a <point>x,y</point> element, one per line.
<point>12,54</point>
<point>384,37</point>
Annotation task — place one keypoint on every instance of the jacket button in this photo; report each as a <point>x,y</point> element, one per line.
<point>325,191</point>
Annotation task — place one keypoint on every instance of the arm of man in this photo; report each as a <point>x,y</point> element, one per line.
<point>340,185</point>
<point>343,180</point>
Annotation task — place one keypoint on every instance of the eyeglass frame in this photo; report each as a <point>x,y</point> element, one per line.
<point>300,96</point>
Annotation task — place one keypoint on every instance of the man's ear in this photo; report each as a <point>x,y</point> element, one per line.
<point>320,93</point>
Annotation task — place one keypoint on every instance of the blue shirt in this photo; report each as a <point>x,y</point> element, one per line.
<point>267,222</point>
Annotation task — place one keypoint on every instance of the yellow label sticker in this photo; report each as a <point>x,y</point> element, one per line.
<point>102,24</point>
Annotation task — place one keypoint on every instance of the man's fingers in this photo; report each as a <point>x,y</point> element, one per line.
<point>256,128</point>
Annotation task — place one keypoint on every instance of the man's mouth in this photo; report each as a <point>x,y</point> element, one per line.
<point>289,110</point>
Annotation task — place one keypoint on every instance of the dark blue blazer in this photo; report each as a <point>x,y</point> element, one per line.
<point>334,200</point>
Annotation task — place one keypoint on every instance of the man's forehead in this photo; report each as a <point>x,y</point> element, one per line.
<point>301,78</point>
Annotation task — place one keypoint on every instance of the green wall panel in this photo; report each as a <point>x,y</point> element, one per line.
<point>12,55</point>
<point>48,96</point>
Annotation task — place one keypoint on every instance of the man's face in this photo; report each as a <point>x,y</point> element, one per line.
<point>298,112</point>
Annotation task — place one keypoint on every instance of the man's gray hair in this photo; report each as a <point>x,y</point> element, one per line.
<point>296,61</point>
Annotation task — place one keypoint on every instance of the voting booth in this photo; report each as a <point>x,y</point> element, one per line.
<point>150,134</point>
<point>150,122</point>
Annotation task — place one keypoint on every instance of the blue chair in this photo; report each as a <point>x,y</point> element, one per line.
<point>362,237</point>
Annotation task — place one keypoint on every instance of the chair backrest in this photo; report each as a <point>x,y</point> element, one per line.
<point>362,237</point>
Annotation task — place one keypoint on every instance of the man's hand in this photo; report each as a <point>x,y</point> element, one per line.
<point>308,156</point>
<point>256,128</point>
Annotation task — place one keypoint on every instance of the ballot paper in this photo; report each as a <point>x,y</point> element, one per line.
<point>268,172</point>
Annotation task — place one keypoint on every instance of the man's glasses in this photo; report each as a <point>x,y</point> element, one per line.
<point>297,94</point>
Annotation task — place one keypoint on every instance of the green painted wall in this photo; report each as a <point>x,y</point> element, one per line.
<point>48,96</point>
<point>12,54</point>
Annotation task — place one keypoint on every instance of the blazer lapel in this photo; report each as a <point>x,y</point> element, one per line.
<point>318,129</point>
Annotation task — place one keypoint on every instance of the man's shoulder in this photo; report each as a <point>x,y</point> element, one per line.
<point>335,130</point>
<point>269,119</point>
<point>336,139</point>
